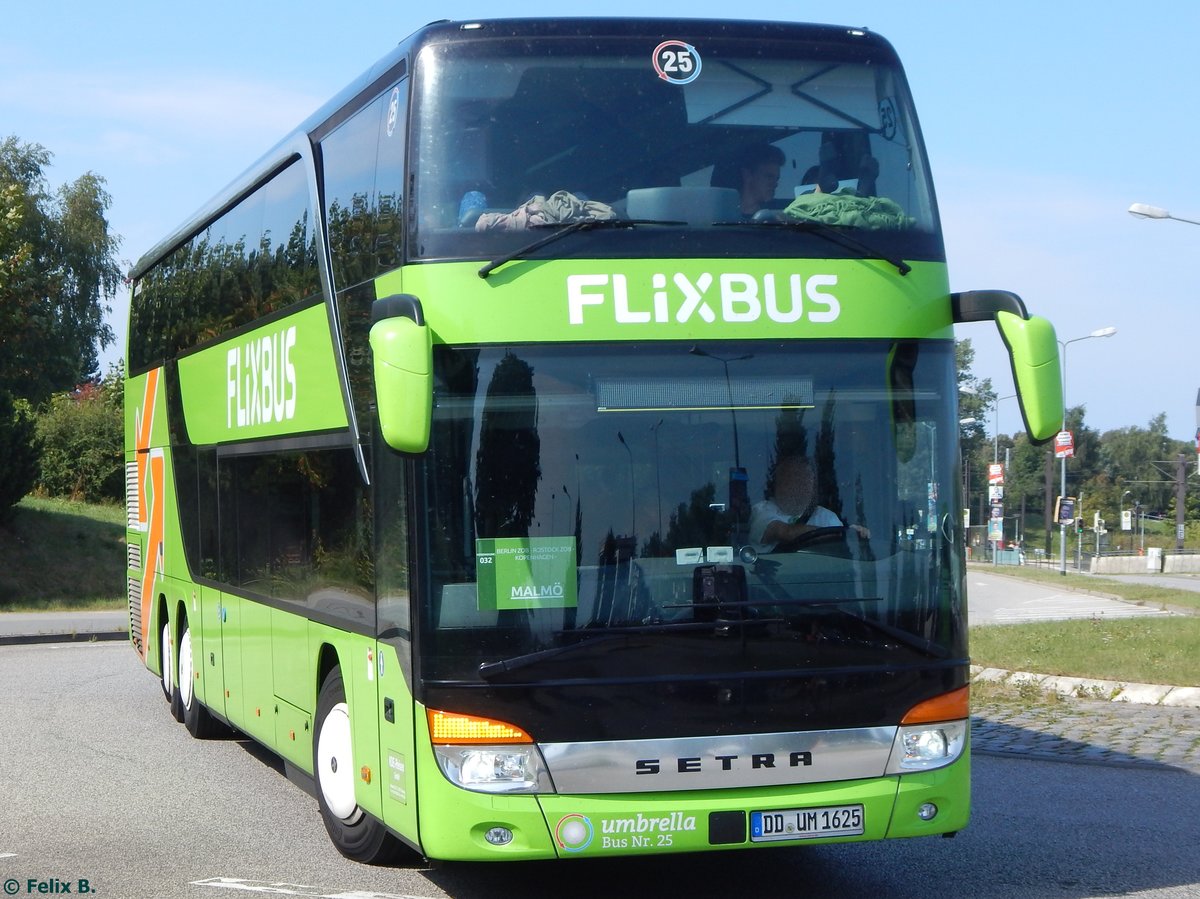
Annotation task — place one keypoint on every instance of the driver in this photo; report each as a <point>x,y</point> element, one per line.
<point>793,510</point>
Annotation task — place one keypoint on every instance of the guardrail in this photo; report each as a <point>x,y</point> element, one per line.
<point>1155,561</point>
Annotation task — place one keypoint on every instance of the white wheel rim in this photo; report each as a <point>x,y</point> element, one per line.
<point>185,668</point>
<point>168,660</point>
<point>335,764</point>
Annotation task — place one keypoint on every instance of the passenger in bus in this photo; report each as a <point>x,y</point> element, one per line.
<point>823,177</point>
<point>792,510</point>
<point>754,173</point>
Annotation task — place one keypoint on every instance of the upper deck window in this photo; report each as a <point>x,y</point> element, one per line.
<point>695,141</point>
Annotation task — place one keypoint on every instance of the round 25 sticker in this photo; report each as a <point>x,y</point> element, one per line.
<point>677,62</point>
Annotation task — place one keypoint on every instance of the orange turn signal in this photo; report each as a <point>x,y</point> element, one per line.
<point>451,727</point>
<point>950,706</point>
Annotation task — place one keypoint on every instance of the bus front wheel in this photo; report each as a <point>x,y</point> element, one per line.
<point>356,834</point>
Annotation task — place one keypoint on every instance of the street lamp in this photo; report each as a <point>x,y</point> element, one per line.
<point>1145,211</point>
<point>996,426</point>
<point>698,351</point>
<point>1062,526</point>
<point>996,461</point>
<point>632,490</point>
<point>966,467</point>
<point>739,482</point>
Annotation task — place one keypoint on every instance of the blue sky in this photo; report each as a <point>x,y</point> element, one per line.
<point>1043,121</point>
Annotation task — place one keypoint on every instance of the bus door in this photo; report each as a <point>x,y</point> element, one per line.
<point>246,636</point>
<point>211,688</point>
<point>398,763</point>
<point>295,687</point>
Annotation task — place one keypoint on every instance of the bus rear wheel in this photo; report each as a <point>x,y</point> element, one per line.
<point>170,682</point>
<point>196,719</point>
<point>356,834</point>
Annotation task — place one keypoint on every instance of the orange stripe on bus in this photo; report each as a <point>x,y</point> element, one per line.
<point>144,427</point>
<point>153,564</point>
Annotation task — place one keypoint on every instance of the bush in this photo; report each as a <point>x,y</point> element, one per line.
<point>82,444</point>
<point>18,452</point>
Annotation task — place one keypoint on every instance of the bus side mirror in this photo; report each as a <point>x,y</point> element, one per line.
<point>402,350</point>
<point>1032,352</point>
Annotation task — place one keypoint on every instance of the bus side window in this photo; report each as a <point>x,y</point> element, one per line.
<point>363,171</point>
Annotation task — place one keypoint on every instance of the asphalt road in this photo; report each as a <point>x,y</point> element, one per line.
<point>996,599</point>
<point>98,783</point>
<point>1174,581</point>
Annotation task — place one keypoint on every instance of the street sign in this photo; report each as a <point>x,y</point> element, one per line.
<point>1064,444</point>
<point>1066,509</point>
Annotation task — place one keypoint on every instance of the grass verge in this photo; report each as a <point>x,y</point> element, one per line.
<point>59,554</point>
<point>1142,650</point>
<point>1136,650</point>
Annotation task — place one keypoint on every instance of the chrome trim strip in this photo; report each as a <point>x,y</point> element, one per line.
<point>703,763</point>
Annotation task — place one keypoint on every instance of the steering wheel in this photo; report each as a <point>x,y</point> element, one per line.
<point>815,537</point>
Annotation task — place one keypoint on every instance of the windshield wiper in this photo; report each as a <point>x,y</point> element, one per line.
<point>830,233</point>
<point>563,231</point>
<point>901,636</point>
<point>488,670</point>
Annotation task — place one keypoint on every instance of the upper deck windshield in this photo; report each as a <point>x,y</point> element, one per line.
<point>601,514</point>
<point>709,146</point>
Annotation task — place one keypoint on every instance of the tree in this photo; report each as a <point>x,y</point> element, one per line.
<point>18,455</point>
<point>80,435</point>
<point>1129,456</point>
<point>58,271</point>
<point>975,397</point>
<point>508,463</point>
<point>1024,480</point>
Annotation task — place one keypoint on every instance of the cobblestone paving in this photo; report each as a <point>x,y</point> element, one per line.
<point>1083,730</point>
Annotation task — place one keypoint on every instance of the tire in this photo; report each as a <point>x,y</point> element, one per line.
<point>170,671</point>
<point>356,834</point>
<point>167,657</point>
<point>196,719</point>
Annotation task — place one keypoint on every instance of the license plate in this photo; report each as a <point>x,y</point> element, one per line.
<point>806,823</point>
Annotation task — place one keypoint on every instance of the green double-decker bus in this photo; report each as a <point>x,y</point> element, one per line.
<point>551,448</point>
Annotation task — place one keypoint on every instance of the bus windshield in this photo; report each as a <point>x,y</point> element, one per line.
<point>605,511</point>
<point>721,146</point>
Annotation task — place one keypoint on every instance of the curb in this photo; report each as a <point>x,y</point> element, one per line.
<point>1090,688</point>
<point>70,637</point>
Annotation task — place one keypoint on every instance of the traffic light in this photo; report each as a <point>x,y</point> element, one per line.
<point>1078,525</point>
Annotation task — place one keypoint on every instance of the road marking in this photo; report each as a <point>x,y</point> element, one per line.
<point>294,889</point>
<point>1058,607</point>
<point>8,855</point>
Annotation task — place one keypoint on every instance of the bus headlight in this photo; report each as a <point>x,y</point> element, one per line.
<point>495,769</point>
<point>932,734</point>
<point>922,747</point>
<point>487,755</point>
